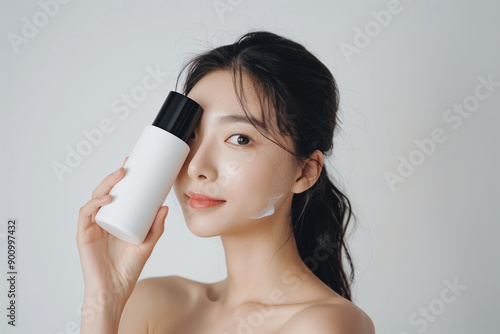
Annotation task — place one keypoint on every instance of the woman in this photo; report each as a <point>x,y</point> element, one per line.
<point>255,176</point>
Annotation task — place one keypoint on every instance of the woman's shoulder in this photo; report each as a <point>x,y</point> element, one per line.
<point>170,290</point>
<point>331,315</point>
<point>163,300</point>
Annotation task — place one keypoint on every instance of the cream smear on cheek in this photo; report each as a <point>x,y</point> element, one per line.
<point>269,210</point>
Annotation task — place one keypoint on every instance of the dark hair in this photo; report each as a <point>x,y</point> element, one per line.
<point>303,95</point>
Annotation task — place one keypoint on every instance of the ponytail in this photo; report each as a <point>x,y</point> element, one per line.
<point>318,216</point>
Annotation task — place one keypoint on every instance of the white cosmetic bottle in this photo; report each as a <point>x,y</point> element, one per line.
<point>151,170</point>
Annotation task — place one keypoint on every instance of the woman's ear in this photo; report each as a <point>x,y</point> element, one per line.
<point>307,176</point>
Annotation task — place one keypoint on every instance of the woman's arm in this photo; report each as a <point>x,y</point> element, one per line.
<point>103,313</point>
<point>110,266</point>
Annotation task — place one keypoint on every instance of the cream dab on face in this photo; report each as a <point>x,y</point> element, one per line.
<point>269,210</point>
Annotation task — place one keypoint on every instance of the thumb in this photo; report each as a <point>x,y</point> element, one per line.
<point>156,230</point>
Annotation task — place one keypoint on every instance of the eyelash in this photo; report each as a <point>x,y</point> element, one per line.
<point>236,134</point>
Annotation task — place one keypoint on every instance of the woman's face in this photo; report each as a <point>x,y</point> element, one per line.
<point>231,161</point>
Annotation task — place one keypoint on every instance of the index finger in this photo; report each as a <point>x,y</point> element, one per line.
<point>109,181</point>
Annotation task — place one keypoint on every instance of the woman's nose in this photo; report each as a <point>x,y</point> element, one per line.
<point>201,164</point>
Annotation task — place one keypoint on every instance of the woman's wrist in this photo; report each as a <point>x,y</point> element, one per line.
<point>101,313</point>
<point>105,321</point>
<point>105,294</point>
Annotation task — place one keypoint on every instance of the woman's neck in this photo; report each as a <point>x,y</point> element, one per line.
<point>263,267</point>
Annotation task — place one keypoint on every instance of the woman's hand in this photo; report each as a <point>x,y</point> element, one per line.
<point>111,266</point>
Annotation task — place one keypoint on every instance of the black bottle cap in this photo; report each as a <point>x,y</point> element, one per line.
<point>178,115</point>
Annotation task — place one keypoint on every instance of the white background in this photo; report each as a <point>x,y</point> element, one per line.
<point>440,224</point>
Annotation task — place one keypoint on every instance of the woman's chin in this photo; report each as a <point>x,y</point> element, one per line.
<point>202,229</point>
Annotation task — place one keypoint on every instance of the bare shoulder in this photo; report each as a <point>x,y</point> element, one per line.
<point>157,303</point>
<point>171,287</point>
<point>330,318</point>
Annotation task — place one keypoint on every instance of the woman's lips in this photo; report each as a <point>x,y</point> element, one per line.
<point>197,204</point>
<point>200,201</point>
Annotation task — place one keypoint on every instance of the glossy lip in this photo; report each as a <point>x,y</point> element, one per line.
<point>200,201</point>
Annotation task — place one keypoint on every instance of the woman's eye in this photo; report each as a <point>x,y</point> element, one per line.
<point>241,140</point>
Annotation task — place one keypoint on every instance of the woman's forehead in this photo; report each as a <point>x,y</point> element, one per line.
<point>215,93</point>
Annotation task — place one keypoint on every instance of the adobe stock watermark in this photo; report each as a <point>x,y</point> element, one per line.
<point>31,27</point>
<point>372,29</point>
<point>430,312</point>
<point>292,279</point>
<point>454,117</point>
<point>223,6</point>
<point>121,108</point>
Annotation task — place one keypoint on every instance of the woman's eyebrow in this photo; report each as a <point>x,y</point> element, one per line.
<point>233,118</point>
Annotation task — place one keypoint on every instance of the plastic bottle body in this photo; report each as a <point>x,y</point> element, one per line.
<point>151,170</point>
